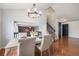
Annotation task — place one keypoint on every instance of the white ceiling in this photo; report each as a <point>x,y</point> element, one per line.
<point>23,5</point>
<point>69,10</point>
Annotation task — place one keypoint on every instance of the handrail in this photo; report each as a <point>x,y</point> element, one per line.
<point>51,27</point>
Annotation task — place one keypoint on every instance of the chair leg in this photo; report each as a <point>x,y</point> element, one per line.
<point>49,52</point>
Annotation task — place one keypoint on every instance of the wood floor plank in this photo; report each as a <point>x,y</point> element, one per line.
<point>66,46</point>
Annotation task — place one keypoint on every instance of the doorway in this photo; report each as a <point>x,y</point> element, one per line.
<point>59,32</point>
<point>65,31</point>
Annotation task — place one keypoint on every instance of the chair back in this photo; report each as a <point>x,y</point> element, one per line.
<point>46,42</point>
<point>27,47</point>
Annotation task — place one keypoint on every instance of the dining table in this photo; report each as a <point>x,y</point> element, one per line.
<point>14,44</point>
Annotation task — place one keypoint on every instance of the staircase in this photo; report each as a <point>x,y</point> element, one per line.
<point>51,30</point>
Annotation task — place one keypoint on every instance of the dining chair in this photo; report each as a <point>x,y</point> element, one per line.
<point>27,47</point>
<point>45,44</point>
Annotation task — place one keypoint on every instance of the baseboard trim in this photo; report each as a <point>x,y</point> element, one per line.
<point>74,37</point>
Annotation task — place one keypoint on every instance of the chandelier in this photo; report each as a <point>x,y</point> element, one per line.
<point>34,12</point>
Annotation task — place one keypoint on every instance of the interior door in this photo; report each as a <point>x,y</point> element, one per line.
<point>65,28</point>
<point>59,25</point>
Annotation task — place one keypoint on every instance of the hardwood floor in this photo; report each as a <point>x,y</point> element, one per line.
<point>64,47</point>
<point>2,51</point>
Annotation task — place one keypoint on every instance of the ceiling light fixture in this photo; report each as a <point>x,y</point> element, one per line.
<point>34,12</point>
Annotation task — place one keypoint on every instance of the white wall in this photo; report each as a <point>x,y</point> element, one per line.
<point>73,29</point>
<point>19,15</point>
<point>53,21</point>
<point>0,27</point>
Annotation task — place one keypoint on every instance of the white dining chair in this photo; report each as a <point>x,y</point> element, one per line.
<point>45,44</point>
<point>27,47</point>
